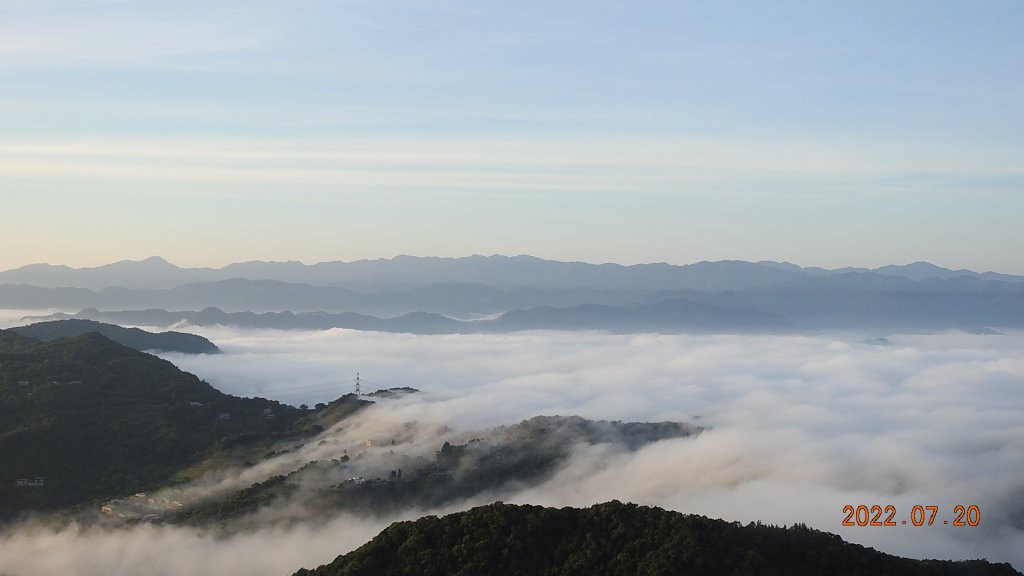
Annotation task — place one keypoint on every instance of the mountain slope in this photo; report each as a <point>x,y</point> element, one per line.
<point>130,337</point>
<point>91,418</point>
<point>618,539</point>
<point>493,460</point>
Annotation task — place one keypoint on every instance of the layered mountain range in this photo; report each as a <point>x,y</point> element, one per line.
<point>499,293</point>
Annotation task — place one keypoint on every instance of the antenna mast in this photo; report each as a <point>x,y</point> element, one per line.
<point>357,384</point>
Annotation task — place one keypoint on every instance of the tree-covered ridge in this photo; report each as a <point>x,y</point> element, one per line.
<point>521,454</point>
<point>619,539</point>
<point>131,337</point>
<point>84,418</point>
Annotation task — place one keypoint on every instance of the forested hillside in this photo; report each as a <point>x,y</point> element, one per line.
<point>85,417</point>
<point>618,539</point>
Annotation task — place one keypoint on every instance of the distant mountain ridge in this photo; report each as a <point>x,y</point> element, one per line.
<point>500,271</point>
<point>499,293</point>
<point>669,316</point>
<point>914,271</point>
<point>131,337</point>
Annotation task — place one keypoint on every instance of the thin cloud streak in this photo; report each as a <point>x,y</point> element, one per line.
<point>748,153</point>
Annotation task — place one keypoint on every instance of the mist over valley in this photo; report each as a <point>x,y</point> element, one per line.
<point>780,429</point>
<point>656,385</point>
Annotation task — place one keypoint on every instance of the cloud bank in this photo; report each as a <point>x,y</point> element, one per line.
<point>798,428</point>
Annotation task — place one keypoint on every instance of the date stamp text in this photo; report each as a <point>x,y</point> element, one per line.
<point>863,515</point>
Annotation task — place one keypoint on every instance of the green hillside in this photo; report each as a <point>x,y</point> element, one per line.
<point>84,418</point>
<point>618,539</point>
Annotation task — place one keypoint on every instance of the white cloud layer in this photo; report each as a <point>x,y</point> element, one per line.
<point>799,426</point>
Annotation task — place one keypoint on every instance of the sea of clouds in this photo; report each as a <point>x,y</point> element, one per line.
<point>798,427</point>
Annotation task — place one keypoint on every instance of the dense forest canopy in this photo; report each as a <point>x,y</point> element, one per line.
<point>618,539</point>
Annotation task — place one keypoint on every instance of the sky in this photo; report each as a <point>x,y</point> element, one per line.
<point>823,133</point>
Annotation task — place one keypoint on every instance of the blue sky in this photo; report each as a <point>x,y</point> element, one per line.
<point>823,133</point>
